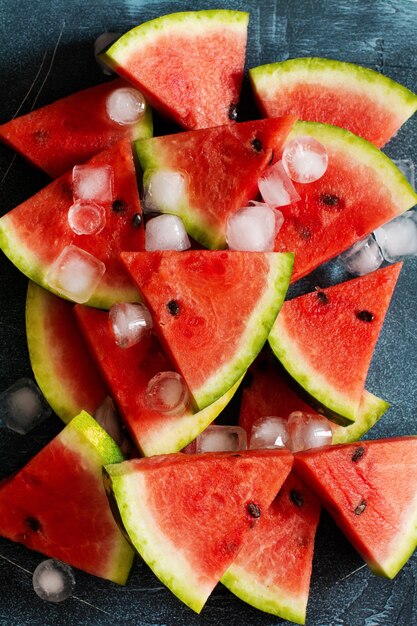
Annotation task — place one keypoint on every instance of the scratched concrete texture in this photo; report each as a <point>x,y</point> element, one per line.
<point>46,53</point>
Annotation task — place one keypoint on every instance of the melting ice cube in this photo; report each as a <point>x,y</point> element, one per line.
<point>75,274</point>
<point>101,43</point>
<point>125,106</point>
<point>269,432</point>
<point>22,406</point>
<point>129,323</point>
<point>163,190</point>
<point>406,166</point>
<point>86,218</point>
<point>308,431</point>
<point>398,238</point>
<point>305,159</point>
<point>93,182</point>
<point>221,439</point>
<point>253,228</point>
<point>53,581</point>
<point>363,257</point>
<point>167,393</point>
<point>276,187</point>
<point>166,232</point>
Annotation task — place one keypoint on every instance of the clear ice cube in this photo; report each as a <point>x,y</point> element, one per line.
<point>163,190</point>
<point>129,323</point>
<point>22,406</point>
<point>93,182</point>
<point>86,217</point>
<point>276,187</point>
<point>363,257</point>
<point>75,274</point>
<point>221,439</point>
<point>398,239</point>
<point>305,159</point>
<point>308,431</point>
<point>406,166</point>
<point>269,432</point>
<point>166,232</point>
<point>167,393</point>
<point>102,42</point>
<point>253,228</point>
<point>125,106</point>
<point>53,580</point>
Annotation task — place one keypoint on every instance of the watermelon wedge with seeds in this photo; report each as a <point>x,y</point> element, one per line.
<point>213,511</point>
<point>370,489</point>
<point>325,339</point>
<point>226,304</point>
<point>361,100</point>
<point>57,504</point>
<point>188,65</point>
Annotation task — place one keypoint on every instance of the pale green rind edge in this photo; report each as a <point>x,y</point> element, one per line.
<point>144,128</point>
<point>371,410</point>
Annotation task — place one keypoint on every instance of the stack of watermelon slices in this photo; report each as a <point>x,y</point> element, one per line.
<point>213,312</point>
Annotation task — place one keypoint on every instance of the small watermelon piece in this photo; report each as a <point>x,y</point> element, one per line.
<point>325,339</point>
<point>188,515</point>
<point>370,489</point>
<point>71,130</point>
<point>361,100</point>
<point>61,362</point>
<point>272,570</point>
<point>361,190</point>
<point>57,504</point>
<point>128,373</point>
<point>267,392</point>
<point>188,65</point>
<point>33,234</point>
<point>227,303</point>
<point>221,165</point>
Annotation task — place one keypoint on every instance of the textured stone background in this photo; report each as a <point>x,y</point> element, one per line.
<point>46,53</point>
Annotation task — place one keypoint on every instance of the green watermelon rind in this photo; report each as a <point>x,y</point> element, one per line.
<point>143,129</point>
<point>371,410</point>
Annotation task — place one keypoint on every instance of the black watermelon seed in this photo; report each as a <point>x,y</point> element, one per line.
<point>256,144</point>
<point>296,498</point>
<point>173,307</point>
<point>232,113</point>
<point>322,297</point>
<point>33,523</point>
<point>304,232</point>
<point>365,316</point>
<point>329,199</point>
<point>358,454</point>
<point>136,220</point>
<point>41,136</point>
<point>360,508</point>
<point>118,206</point>
<point>254,510</point>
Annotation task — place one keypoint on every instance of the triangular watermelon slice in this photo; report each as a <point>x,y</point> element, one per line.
<point>128,373</point>
<point>57,504</point>
<point>361,100</point>
<point>325,339</point>
<point>34,234</point>
<point>188,515</point>
<point>225,305</point>
<point>188,65</point>
<point>71,130</point>
<point>221,168</point>
<point>62,365</point>
<point>370,489</point>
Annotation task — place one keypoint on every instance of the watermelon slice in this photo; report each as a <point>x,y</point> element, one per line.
<point>325,339</point>
<point>34,233</point>
<point>267,392</point>
<point>360,190</point>
<point>128,373</point>
<point>272,570</point>
<point>63,368</point>
<point>370,489</point>
<point>221,165</point>
<point>365,102</point>
<point>57,504</point>
<point>71,130</point>
<point>188,65</point>
<point>213,512</point>
<point>226,303</point>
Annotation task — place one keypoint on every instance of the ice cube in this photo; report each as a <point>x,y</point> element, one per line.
<point>304,159</point>
<point>53,581</point>
<point>86,218</point>
<point>125,106</point>
<point>308,431</point>
<point>398,239</point>
<point>93,182</point>
<point>129,323</point>
<point>108,418</point>
<point>167,393</point>
<point>166,232</point>
<point>163,190</point>
<point>22,406</point>
<point>269,432</point>
<point>276,187</point>
<point>406,166</point>
<point>362,258</point>
<point>75,274</point>
<point>102,42</point>
<point>253,228</point>
<point>221,439</point>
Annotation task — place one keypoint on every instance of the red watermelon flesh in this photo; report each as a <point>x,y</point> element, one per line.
<point>71,130</point>
<point>33,234</point>
<point>370,489</point>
